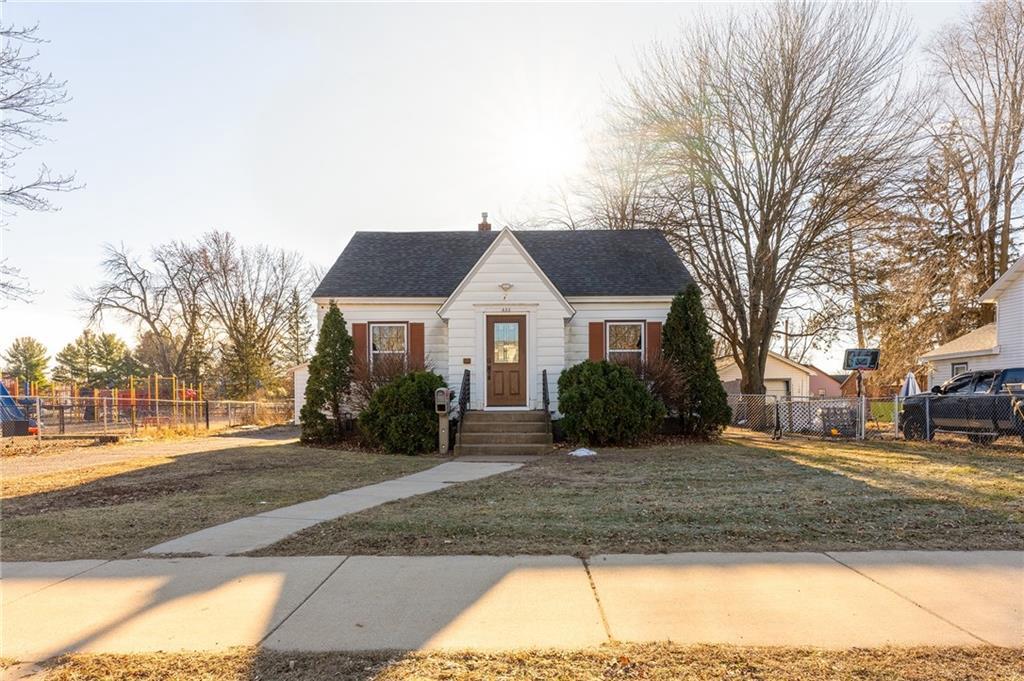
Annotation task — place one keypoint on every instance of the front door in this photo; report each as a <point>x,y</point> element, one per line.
<point>506,361</point>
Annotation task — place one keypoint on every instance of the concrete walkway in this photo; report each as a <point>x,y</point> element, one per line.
<point>832,600</point>
<point>255,532</point>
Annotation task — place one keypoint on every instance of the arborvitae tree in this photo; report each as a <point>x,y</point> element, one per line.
<point>298,332</point>
<point>686,342</point>
<point>330,375</point>
<point>26,360</point>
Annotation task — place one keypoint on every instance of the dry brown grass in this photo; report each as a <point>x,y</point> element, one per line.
<point>745,493</point>
<point>648,661</point>
<point>119,509</point>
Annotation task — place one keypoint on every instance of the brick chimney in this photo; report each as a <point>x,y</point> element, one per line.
<point>484,226</point>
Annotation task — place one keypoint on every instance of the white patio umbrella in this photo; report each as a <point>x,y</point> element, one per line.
<point>909,385</point>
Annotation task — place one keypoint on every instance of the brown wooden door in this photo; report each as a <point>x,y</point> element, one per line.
<point>506,361</point>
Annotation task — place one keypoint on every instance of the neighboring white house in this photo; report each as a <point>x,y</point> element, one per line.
<point>999,345</point>
<point>506,306</point>
<point>782,377</point>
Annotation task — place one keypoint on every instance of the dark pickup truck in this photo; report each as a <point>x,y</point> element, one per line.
<point>981,404</point>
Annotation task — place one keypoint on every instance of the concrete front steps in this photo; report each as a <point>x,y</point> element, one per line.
<point>503,432</point>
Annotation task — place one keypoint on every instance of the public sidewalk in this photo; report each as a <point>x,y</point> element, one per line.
<point>264,529</point>
<point>832,600</point>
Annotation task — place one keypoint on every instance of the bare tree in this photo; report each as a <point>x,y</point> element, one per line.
<point>774,132</point>
<point>248,292</point>
<point>28,103</point>
<point>980,131</point>
<point>163,296</point>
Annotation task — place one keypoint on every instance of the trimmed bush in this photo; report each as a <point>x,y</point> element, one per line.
<point>400,417</point>
<point>604,403</point>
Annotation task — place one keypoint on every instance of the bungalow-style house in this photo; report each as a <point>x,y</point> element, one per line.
<point>783,377</point>
<point>510,307</point>
<point>998,345</point>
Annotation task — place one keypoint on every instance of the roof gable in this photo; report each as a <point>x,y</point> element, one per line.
<point>1004,282</point>
<point>506,235</point>
<point>726,362</point>
<point>577,263</point>
<point>981,341</point>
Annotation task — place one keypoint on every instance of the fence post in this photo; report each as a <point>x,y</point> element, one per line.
<point>896,415</point>
<point>863,429</point>
<point>928,417</point>
<point>206,412</point>
<point>104,402</point>
<point>39,422</point>
<point>229,414</point>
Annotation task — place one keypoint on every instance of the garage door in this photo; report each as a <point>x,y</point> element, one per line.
<point>776,386</point>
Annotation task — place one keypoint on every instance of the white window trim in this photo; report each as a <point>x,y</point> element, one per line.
<point>608,338</point>
<point>405,341</point>
<point>954,373</point>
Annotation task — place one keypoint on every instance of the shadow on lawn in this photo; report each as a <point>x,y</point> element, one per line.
<point>737,495</point>
<point>122,513</point>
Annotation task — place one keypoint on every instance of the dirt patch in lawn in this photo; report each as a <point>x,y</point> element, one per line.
<point>740,494</point>
<point>653,661</point>
<point>117,510</point>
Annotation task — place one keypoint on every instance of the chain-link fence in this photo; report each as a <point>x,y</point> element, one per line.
<point>55,416</point>
<point>980,418</point>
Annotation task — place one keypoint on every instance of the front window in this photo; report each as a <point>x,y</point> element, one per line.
<point>625,342</point>
<point>387,344</point>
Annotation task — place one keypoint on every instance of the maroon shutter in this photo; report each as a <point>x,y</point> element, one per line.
<point>416,352</point>
<point>653,351</point>
<point>596,341</point>
<point>360,348</point>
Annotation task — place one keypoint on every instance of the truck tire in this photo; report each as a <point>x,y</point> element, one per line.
<point>913,428</point>
<point>982,439</point>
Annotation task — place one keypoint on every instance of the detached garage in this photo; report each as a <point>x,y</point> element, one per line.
<point>782,377</point>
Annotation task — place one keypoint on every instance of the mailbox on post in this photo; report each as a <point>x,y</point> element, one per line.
<point>442,396</point>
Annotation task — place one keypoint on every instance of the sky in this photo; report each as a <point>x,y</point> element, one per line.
<point>297,124</point>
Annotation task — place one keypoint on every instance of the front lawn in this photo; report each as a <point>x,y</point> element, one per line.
<point>638,661</point>
<point>745,493</point>
<point>117,510</point>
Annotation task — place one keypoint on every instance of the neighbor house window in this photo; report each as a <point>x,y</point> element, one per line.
<point>625,342</point>
<point>387,344</point>
<point>959,368</point>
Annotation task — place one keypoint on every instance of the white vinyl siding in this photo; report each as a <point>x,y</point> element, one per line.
<point>1009,338</point>
<point>1010,326</point>
<point>529,295</point>
<point>435,332</point>
<point>577,331</point>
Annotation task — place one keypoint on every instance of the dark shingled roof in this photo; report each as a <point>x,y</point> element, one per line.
<point>431,264</point>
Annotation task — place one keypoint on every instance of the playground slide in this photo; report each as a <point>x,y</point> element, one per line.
<point>9,409</point>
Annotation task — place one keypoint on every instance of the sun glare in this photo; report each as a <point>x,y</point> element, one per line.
<point>541,148</point>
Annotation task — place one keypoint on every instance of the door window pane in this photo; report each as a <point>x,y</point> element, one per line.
<point>506,342</point>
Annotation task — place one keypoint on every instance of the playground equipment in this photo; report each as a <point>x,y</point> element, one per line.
<point>13,419</point>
